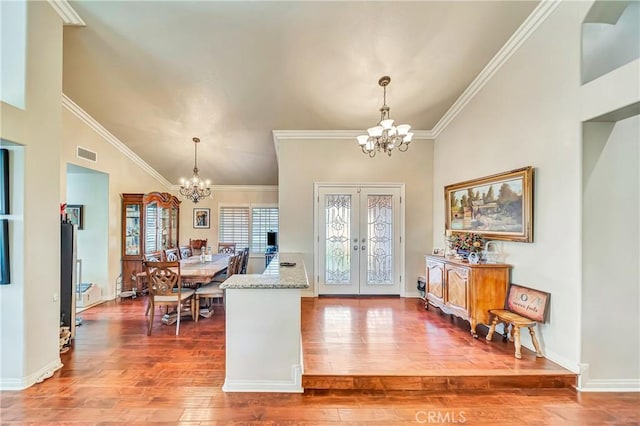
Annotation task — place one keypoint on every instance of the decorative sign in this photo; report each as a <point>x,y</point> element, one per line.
<point>528,302</point>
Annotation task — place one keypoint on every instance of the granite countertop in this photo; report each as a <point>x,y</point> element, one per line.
<point>275,276</point>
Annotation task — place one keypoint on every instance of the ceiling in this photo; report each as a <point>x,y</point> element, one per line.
<point>157,73</point>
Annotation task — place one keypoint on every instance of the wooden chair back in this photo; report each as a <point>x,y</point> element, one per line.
<point>171,255</point>
<point>245,261</point>
<point>229,248</point>
<point>163,278</point>
<point>185,252</point>
<point>154,256</point>
<point>197,245</point>
<point>234,265</point>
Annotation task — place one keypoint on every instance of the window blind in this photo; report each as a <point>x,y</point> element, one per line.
<point>234,226</point>
<point>263,219</point>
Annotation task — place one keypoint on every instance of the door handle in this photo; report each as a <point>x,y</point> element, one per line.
<point>364,247</point>
<point>355,247</point>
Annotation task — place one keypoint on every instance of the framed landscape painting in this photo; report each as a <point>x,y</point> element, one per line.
<point>499,207</point>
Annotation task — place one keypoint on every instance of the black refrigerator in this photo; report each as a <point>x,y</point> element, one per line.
<point>68,277</point>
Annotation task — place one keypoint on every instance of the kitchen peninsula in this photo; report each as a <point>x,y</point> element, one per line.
<point>264,352</point>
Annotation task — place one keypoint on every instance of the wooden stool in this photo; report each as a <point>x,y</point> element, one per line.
<point>524,307</point>
<point>516,321</point>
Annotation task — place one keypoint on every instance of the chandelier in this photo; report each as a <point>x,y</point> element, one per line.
<point>385,136</point>
<point>195,189</point>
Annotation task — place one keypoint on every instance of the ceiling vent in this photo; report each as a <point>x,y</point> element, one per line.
<point>86,154</point>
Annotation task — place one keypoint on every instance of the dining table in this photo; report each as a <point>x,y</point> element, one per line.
<point>195,272</point>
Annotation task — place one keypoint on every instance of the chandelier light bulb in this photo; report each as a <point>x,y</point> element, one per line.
<point>385,137</point>
<point>194,189</point>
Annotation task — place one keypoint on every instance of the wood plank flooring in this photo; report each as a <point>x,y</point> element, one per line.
<point>115,374</point>
<point>394,343</point>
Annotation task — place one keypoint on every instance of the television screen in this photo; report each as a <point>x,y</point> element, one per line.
<point>272,238</point>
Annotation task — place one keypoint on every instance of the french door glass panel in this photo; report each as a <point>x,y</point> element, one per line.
<point>359,234</point>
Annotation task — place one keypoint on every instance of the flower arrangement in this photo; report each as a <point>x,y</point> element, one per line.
<point>469,242</point>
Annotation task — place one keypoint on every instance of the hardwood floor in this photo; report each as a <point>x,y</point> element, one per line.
<point>116,374</point>
<point>394,343</point>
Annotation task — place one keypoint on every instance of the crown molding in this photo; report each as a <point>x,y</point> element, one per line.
<point>110,138</point>
<point>279,135</point>
<point>528,27</point>
<point>67,13</point>
<point>335,134</point>
<point>237,188</point>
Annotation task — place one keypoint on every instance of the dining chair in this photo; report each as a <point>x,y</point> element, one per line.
<point>185,252</point>
<point>165,288</point>
<point>245,261</point>
<point>213,290</point>
<point>154,256</point>
<point>197,245</point>
<point>171,255</point>
<point>229,248</point>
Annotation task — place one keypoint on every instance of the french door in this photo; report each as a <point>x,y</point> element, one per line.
<point>358,240</point>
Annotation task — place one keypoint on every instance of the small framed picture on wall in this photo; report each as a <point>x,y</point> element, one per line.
<point>74,214</point>
<point>202,218</point>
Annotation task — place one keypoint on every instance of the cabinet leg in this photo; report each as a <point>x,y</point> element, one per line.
<point>473,328</point>
<point>492,329</point>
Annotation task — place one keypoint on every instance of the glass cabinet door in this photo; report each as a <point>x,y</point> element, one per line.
<point>174,227</point>
<point>151,239</point>
<point>132,230</point>
<point>163,228</point>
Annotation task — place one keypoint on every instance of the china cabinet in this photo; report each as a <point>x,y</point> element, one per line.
<point>465,290</point>
<point>149,224</point>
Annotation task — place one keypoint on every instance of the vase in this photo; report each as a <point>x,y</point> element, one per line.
<point>463,253</point>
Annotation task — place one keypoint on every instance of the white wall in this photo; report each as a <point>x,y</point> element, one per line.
<point>606,46</point>
<point>91,190</point>
<point>530,113</point>
<point>30,308</point>
<point>611,274</point>
<point>304,162</point>
<point>13,22</point>
<point>527,115</point>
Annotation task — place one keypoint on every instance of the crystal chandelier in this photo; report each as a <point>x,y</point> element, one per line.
<point>195,189</point>
<point>385,136</point>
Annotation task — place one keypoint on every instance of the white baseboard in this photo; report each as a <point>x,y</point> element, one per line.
<point>282,386</point>
<point>611,385</point>
<point>558,359</point>
<point>25,382</point>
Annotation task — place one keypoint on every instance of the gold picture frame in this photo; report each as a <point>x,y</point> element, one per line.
<point>499,207</point>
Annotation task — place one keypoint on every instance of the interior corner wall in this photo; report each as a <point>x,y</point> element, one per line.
<point>32,332</point>
<point>527,115</point>
<point>611,271</point>
<point>228,196</point>
<point>301,163</point>
<point>90,189</point>
<point>125,175</point>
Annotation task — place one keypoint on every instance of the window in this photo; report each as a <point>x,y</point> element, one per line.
<point>234,226</point>
<point>247,226</point>
<point>263,220</point>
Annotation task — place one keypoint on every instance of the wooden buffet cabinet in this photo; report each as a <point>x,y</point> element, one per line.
<point>465,290</point>
<point>150,222</point>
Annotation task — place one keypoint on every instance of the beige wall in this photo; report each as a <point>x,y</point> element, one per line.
<point>305,162</point>
<point>30,307</point>
<point>124,176</point>
<point>228,196</point>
